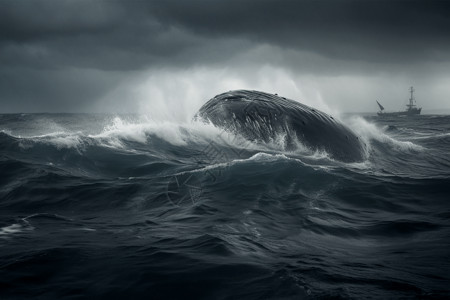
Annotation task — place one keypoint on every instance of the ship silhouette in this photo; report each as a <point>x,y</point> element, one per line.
<point>411,109</point>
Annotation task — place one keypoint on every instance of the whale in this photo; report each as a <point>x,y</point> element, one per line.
<point>263,117</point>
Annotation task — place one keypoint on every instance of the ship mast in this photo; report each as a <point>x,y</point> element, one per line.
<point>411,99</point>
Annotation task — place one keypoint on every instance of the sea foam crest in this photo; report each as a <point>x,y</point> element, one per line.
<point>184,134</point>
<point>60,140</point>
<point>368,131</point>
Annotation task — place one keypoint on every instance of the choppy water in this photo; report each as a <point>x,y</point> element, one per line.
<point>103,206</point>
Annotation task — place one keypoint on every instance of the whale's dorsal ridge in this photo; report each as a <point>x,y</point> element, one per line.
<point>260,116</point>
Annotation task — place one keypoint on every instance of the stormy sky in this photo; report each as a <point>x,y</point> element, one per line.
<point>136,56</point>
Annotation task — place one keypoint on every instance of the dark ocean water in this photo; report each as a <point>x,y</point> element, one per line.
<point>102,206</point>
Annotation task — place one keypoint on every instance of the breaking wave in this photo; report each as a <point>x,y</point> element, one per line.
<point>176,210</point>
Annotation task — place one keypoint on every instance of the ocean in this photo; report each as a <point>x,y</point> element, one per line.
<point>121,206</point>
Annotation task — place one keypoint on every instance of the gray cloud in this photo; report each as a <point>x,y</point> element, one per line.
<point>65,55</point>
<point>132,34</point>
<point>370,30</point>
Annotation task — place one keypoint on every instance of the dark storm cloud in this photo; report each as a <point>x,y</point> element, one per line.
<point>368,30</point>
<point>135,34</point>
<point>103,35</point>
<point>43,44</point>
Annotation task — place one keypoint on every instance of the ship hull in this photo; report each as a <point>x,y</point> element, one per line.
<point>413,112</point>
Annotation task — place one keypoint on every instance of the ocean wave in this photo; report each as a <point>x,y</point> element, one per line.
<point>369,132</point>
<point>148,137</point>
<point>168,207</point>
<point>7,231</point>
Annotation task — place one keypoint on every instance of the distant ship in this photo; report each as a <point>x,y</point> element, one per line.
<point>411,110</point>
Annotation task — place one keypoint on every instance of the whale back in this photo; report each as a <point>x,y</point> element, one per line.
<point>260,116</point>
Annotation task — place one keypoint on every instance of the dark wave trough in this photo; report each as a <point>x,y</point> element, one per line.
<point>100,206</point>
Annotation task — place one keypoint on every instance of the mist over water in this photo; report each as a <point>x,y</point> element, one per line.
<point>176,95</point>
<point>99,205</point>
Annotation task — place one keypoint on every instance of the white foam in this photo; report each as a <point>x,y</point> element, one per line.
<point>7,231</point>
<point>144,128</point>
<point>7,132</point>
<point>178,134</point>
<point>368,131</point>
<point>426,136</point>
<point>66,141</point>
<point>124,129</point>
<point>260,157</point>
<point>59,139</point>
<point>11,229</point>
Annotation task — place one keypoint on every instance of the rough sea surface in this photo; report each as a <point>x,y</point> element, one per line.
<point>123,207</point>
